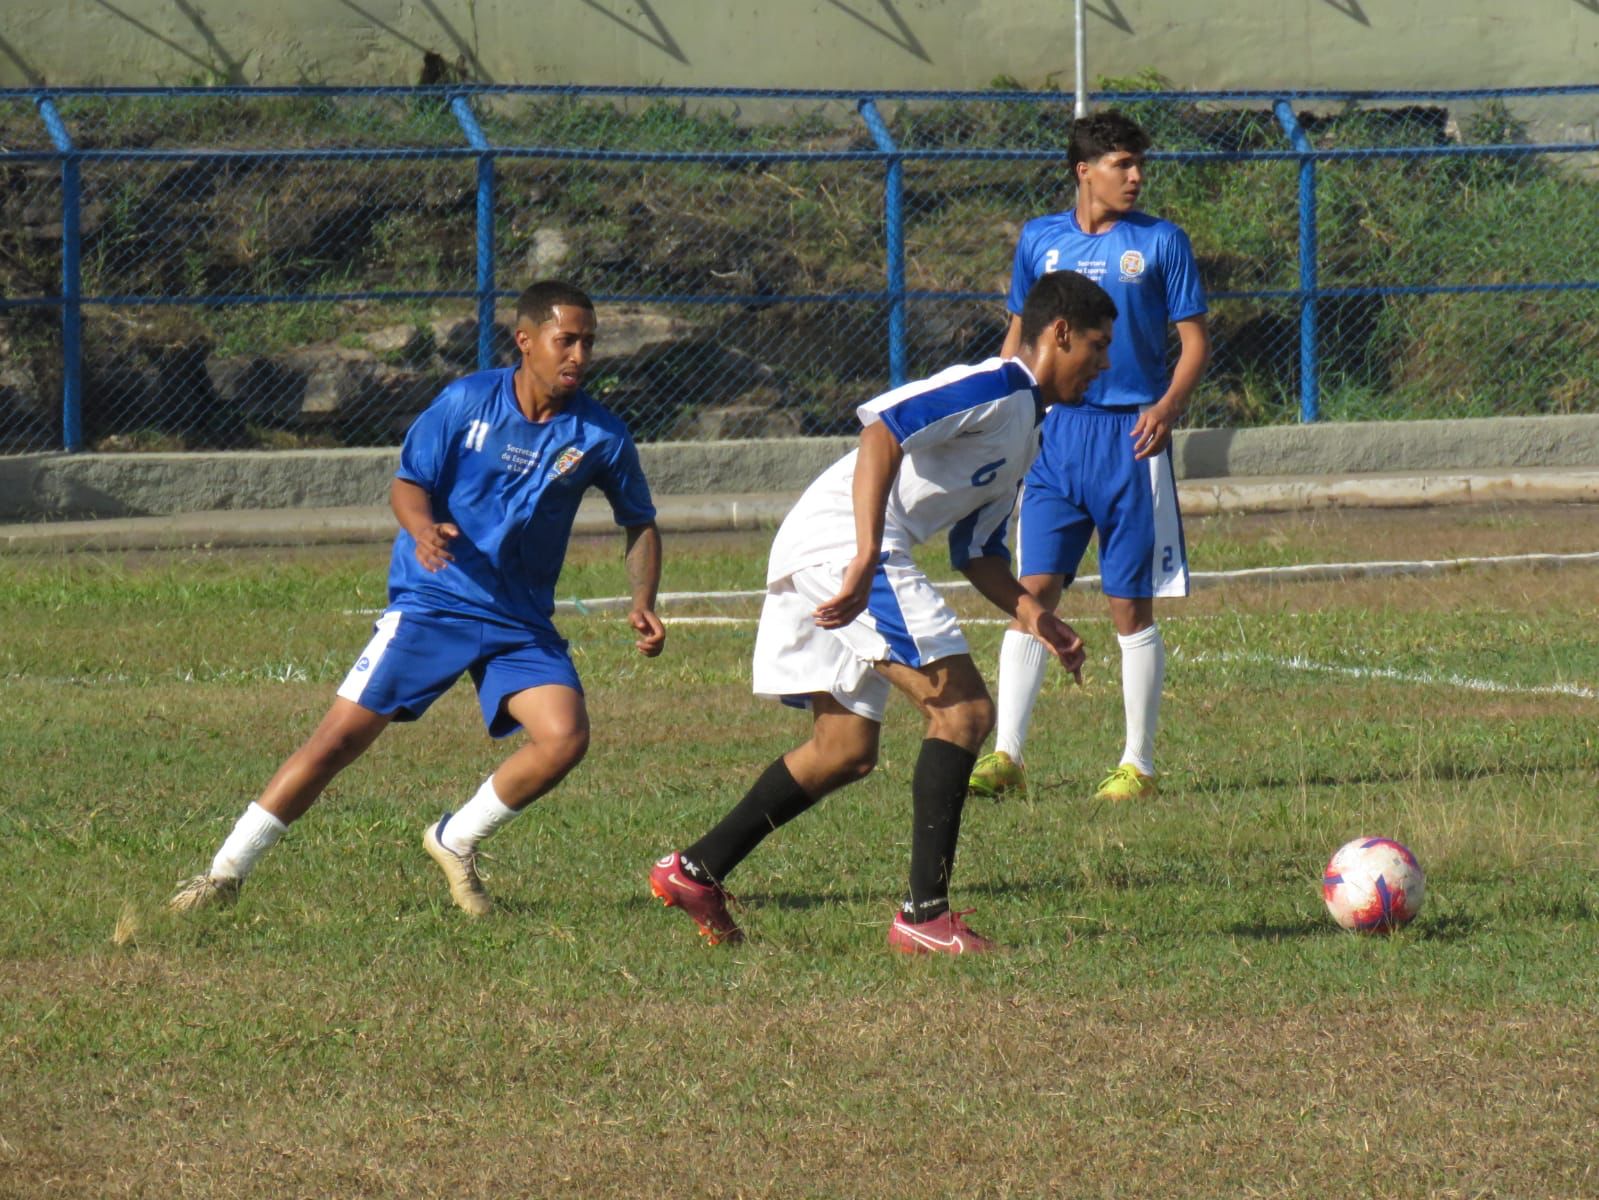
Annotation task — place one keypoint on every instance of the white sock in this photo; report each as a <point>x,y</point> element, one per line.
<point>254,833</point>
<point>476,819</point>
<point>1143,674</point>
<point>1023,660</point>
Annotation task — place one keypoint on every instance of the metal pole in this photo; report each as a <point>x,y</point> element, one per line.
<point>1309,358</point>
<point>894,234</point>
<point>1081,107</point>
<point>71,278</point>
<point>467,119</point>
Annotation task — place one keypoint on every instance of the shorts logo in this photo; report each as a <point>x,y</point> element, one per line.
<point>363,664</point>
<point>1132,265</point>
<point>566,462</point>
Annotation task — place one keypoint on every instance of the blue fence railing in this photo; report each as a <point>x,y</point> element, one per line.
<point>301,266</point>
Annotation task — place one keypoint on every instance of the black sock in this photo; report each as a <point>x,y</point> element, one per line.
<point>774,800</point>
<point>938,793</point>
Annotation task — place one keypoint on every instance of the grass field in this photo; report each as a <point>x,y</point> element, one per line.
<point>1177,1017</point>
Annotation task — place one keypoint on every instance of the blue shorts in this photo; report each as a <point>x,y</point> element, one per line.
<point>414,658</point>
<point>1086,478</point>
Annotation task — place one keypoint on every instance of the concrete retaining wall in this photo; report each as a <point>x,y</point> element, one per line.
<point>57,486</point>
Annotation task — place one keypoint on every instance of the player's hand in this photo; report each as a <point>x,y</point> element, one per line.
<point>1152,433</point>
<point>852,597</point>
<point>1063,641</point>
<point>432,542</point>
<point>652,634</point>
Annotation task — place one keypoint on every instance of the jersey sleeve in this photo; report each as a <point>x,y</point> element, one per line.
<point>937,414</point>
<point>1022,277</point>
<point>1185,295</point>
<point>624,484</point>
<point>981,533</point>
<point>426,442</point>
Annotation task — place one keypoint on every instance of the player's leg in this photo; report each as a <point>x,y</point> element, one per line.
<point>343,735</point>
<point>960,715</point>
<point>524,681</point>
<point>828,672</point>
<point>842,748</point>
<point>1052,535</point>
<point>1143,656</point>
<point>1142,556</point>
<point>410,661</point>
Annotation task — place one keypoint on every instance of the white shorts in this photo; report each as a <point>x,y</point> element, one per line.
<point>906,621</point>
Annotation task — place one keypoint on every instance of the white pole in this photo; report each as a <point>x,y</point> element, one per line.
<point>1081,108</point>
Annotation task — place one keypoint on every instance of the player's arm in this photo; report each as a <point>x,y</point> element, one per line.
<point>413,508</point>
<point>1013,338</point>
<point>643,580</point>
<point>1152,433</point>
<point>875,468</point>
<point>991,575</point>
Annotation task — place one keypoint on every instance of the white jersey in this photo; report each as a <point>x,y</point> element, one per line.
<point>969,435</point>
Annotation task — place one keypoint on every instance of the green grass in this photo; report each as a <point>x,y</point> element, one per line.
<point>1177,1016</point>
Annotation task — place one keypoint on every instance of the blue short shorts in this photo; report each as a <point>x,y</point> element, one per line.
<point>414,658</point>
<point>1086,478</point>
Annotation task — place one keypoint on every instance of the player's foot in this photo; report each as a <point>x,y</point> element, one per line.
<point>705,902</point>
<point>997,773</point>
<point>1126,782</point>
<point>460,870</point>
<point>205,891</point>
<point>944,934</point>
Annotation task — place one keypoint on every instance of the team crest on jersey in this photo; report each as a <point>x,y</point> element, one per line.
<point>566,462</point>
<point>1132,265</point>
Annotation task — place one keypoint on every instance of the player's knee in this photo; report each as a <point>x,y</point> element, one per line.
<point>568,747</point>
<point>967,723</point>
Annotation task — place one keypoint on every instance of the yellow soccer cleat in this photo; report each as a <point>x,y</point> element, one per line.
<point>1126,782</point>
<point>995,774</point>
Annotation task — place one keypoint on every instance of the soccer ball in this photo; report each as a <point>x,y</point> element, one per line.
<point>1373,885</point>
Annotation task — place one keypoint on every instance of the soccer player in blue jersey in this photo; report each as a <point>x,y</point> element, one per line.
<point>1105,464</point>
<point>848,616</point>
<point>488,486</point>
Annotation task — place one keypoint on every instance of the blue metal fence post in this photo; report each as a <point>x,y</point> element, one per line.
<point>71,277</point>
<point>1309,357</point>
<point>894,235</point>
<point>462,108</point>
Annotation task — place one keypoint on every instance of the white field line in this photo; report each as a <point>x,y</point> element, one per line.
<point>1391,675</point>
<point>1291,574</point>
<point>1301,573</point>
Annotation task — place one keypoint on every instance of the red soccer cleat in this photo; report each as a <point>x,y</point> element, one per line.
<point>944,934</point>
<point>706,903</point>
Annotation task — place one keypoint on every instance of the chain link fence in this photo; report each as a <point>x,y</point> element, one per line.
<point>308,267</point>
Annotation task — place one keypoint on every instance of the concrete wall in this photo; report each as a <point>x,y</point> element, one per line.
<point>59,486</point>
<point>804,43</point>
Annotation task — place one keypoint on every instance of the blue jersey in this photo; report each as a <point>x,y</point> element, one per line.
<point>512,487</point>
<point>1147,266</point>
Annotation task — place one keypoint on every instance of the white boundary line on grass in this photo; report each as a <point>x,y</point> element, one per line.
<point>1301,573</point>
<point>1392,675</point>
<point>1306,572</point>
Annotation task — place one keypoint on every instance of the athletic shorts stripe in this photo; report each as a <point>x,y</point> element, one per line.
<point>365,668</point>
<point>890,620</point>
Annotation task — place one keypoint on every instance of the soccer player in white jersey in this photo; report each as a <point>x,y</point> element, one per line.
<point>848,616</point>
<point>1105,464</point>
<point>489,482</point>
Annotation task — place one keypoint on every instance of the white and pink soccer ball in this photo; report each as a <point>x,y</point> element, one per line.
<point>1373,885</point>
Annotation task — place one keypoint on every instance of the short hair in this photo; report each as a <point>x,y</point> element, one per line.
<point>536,301</point>
<point>1103,133</point>
<point>1064,294</point>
